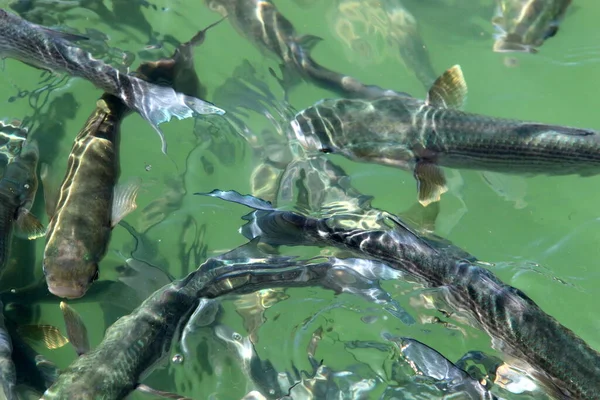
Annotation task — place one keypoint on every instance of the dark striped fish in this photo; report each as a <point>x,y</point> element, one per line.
<point>261,22</point>
<point>89,203</point>
<point>558,358</point>
<point>140,340</point>
<point>421,136</point>
<point>17,193</point>
<point>48,49</point>
<point>524,25</point>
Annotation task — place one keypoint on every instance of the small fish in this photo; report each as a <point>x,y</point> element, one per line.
<point>53,50</point>
<point>261,22</point>
<point>524,25</point>
<point>422,135</point>
<point>557,357</point>
<point>18,187</point>
<point>89,205</point>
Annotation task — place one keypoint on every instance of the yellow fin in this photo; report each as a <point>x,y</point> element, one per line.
<point>449,90</point>
<point>28,226</point>
<point>431,182</point>
<point>49,335</point>
<point>76,330</point>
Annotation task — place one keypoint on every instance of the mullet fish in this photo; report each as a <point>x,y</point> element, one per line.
<point>558,358</point>
<point>52,50</point>
<point>422,135</point>
<point>263,24</point>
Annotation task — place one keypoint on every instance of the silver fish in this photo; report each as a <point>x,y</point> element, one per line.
<point>557,357</point>
<point>52,50</point>
<point>263,24</point>
<point>422,135</point>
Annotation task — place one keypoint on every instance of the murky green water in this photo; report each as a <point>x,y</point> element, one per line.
<point>541,232</point>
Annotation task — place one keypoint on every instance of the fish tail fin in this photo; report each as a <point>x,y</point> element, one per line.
<point>274,227</point>
<point>158,104</point>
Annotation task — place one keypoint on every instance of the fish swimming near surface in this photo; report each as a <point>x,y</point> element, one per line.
<point>558,358</point>
<point>89,203</point>
<point>18,187</point>
<point>52,50</point>
<point>261,22</point>
<point>524,25</point>
<point>422,135</point>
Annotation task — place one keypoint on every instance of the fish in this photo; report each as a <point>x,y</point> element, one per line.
<point>421,136</point>
<point>557,357</point>
<point>18,187</point>
<point>364,25</point>
<point>261,23</point>
<point>178,71</point>
<point>137,342</point>
<point>8,373</point>
<point>524,25</point>
<point>89,203</point>
<point>48,49</point>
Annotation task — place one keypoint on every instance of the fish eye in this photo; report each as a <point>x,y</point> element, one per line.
<point>551,32</point>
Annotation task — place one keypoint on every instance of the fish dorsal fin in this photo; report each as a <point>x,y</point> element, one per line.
<point>449,90</point>
<point>307,42</point>
<point>70,37</point>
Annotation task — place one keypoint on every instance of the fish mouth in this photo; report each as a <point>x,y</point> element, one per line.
<point>67,292</point>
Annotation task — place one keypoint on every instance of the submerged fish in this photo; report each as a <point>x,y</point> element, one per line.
<point>89,204</point>
<point>364,25</point>
<point>524,25</point>
<point>51,50</point>
<point>8,374</point>
<point>420,136</point>
<point>557,357</point>
<point>18,187</point>
<point>263,24</point>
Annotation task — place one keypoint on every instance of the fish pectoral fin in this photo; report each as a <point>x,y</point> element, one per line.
<point>49,335</point>
<point>50,192</point>
<point>449,90</point>
<point>124,200</point>
<point>422,216</point>
<point>28,226</point>
<point>431,182</point>
<point>166,395</point>
<point>71,37</point>
<point>308,42</point>
<point>76,329</point>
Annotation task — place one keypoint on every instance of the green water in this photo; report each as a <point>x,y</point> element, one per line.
<point>542,239</point>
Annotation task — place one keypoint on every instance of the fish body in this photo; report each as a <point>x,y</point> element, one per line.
<point>524,25</point>
<point>8,374</point>
<point>421,135</point>
<point>370,29</point>
<point>559,358</point>
<point>51,50</point>
<point>17,192</point>
<point>82,221</point>
<point>271,31</point>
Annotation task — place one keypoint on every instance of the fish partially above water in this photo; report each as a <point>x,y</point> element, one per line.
<point>422,135</point>
<point>51,50</point>
<point>524,25</point>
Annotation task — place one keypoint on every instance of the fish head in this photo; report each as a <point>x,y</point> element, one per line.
<point>12,136</point>
<point>69,270</point>
<point>20,174</point>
